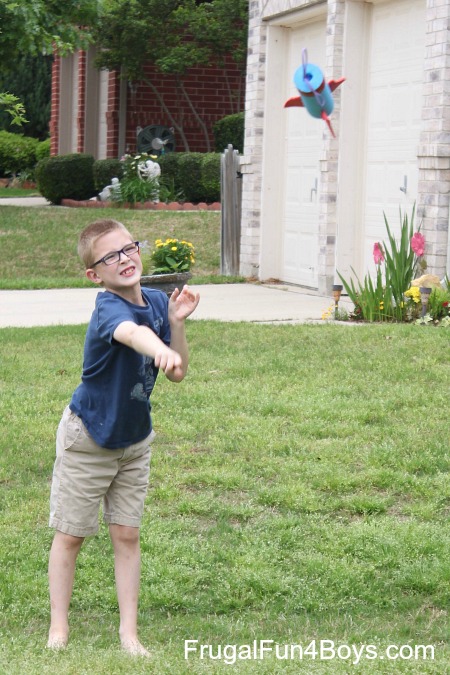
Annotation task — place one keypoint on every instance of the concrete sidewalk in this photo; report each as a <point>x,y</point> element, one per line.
<point>24,201</point>
<point>255,303</point>
<point>223,302</point>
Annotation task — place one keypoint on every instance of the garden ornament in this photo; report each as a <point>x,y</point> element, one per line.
<point>315,93</point>
<point>149,170</point>
<point>110,191</point>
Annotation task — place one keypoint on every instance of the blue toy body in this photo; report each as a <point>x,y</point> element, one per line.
<point>315,93</point>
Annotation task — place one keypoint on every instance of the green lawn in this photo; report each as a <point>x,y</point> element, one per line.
<point>18,192</point>
<point>299,492</point>
<point>39,245</point>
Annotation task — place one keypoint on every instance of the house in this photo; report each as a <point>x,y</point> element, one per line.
<point>100,113</point>
<point>313,204</point>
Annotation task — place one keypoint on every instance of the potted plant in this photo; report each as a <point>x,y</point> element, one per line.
<point>167,266</point>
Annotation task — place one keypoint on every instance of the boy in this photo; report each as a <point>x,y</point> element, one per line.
<point>103,440</point>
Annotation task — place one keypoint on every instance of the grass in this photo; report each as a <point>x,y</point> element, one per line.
<point>39,245</point>
<point>18,192</point>
<point>299,492</point>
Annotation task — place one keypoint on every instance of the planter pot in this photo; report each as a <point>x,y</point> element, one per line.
<point>166,282</point>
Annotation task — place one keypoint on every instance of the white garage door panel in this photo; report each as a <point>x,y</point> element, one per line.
<point>395,90</point>
<point>302,151</point>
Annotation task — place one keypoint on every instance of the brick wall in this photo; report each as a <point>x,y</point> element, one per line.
<point>213,92</point>
<point>54,114</point>
<point>81,100</point>
<point>210,94</point>
<point>112,116</point>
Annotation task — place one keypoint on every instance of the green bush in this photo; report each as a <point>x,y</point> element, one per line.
<point>194,175</point>
<point>169,163</point>
<point>43,149</point>
<point>190,175</point>
<point>230,130</point>
<point>104,170</point>
<point>210,177</point>
<point>17,154</point>
<point>66,177</point>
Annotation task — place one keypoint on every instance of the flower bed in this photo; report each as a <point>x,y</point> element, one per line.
<point>159,206</point>
<point>397,293</point>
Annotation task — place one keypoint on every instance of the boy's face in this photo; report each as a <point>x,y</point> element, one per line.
<point>122,276</point>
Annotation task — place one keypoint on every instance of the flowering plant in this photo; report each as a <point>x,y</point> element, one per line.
<point>383,299</point>
<point>140,181</point>
<point>172,255</point>
<point>413,302</point>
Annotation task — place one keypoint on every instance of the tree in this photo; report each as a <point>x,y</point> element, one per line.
<point>173,35</point>
<point>36,27</point>
<point>31,82</point>
<point>13,107</point>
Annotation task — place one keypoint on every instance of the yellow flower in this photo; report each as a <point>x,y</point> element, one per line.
<point>173,248</point>
<point>413,293</point>
<point>327,313</point>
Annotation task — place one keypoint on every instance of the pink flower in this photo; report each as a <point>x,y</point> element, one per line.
<point>418,244</point>
<point>378,254</point>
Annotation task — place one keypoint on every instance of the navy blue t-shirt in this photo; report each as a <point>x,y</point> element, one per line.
<point>113,399</point>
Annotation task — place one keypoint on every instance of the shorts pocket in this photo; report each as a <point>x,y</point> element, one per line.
<point>70,431</point>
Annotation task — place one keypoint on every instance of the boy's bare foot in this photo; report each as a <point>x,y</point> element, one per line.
<point>133,647</point>
<point>57,641</point>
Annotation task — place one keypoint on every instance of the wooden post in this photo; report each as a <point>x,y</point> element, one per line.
<point>231,206</point>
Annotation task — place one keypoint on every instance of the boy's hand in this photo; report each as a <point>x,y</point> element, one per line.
<point>169,361</point>
<point>182,303</point>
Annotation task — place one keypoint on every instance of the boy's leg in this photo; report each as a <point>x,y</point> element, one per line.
<point>61,572</point>
<point>127,561</point>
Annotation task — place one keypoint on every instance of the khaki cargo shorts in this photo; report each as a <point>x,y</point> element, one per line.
<point>84,474</point>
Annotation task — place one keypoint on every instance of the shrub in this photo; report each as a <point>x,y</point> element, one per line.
<point>190,175</point>
<point>66,177</point>
<point>210,177</point>
<point>169,163</point>
<point>230,129</point>
<point>43,149</point>
<point>17,154</point>
<point>104,170</point>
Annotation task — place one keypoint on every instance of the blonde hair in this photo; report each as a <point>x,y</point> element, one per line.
<point>91,233</point>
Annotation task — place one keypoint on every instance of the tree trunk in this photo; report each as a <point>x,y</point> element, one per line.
<point>197,116</point>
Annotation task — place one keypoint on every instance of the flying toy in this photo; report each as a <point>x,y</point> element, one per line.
<point>315,93</point>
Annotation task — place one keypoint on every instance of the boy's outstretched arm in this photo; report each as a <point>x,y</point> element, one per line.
<point>144,341</point>
<point>173,360</point>
<point>181,305</point>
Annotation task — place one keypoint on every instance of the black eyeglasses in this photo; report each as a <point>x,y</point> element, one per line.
<point>114,256</point>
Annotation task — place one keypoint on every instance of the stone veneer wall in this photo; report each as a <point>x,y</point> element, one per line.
<point>329,165</point>
<point>252,160</point>
<point>434,150</point>
<point>254,125</point>
<point>433,153</point>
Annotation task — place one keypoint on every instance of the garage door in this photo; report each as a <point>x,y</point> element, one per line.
<point>397,48</point>
<point>303,144</point>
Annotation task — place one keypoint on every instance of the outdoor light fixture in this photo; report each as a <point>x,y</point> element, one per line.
<point>424,296</point>
<point>337,290</point>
